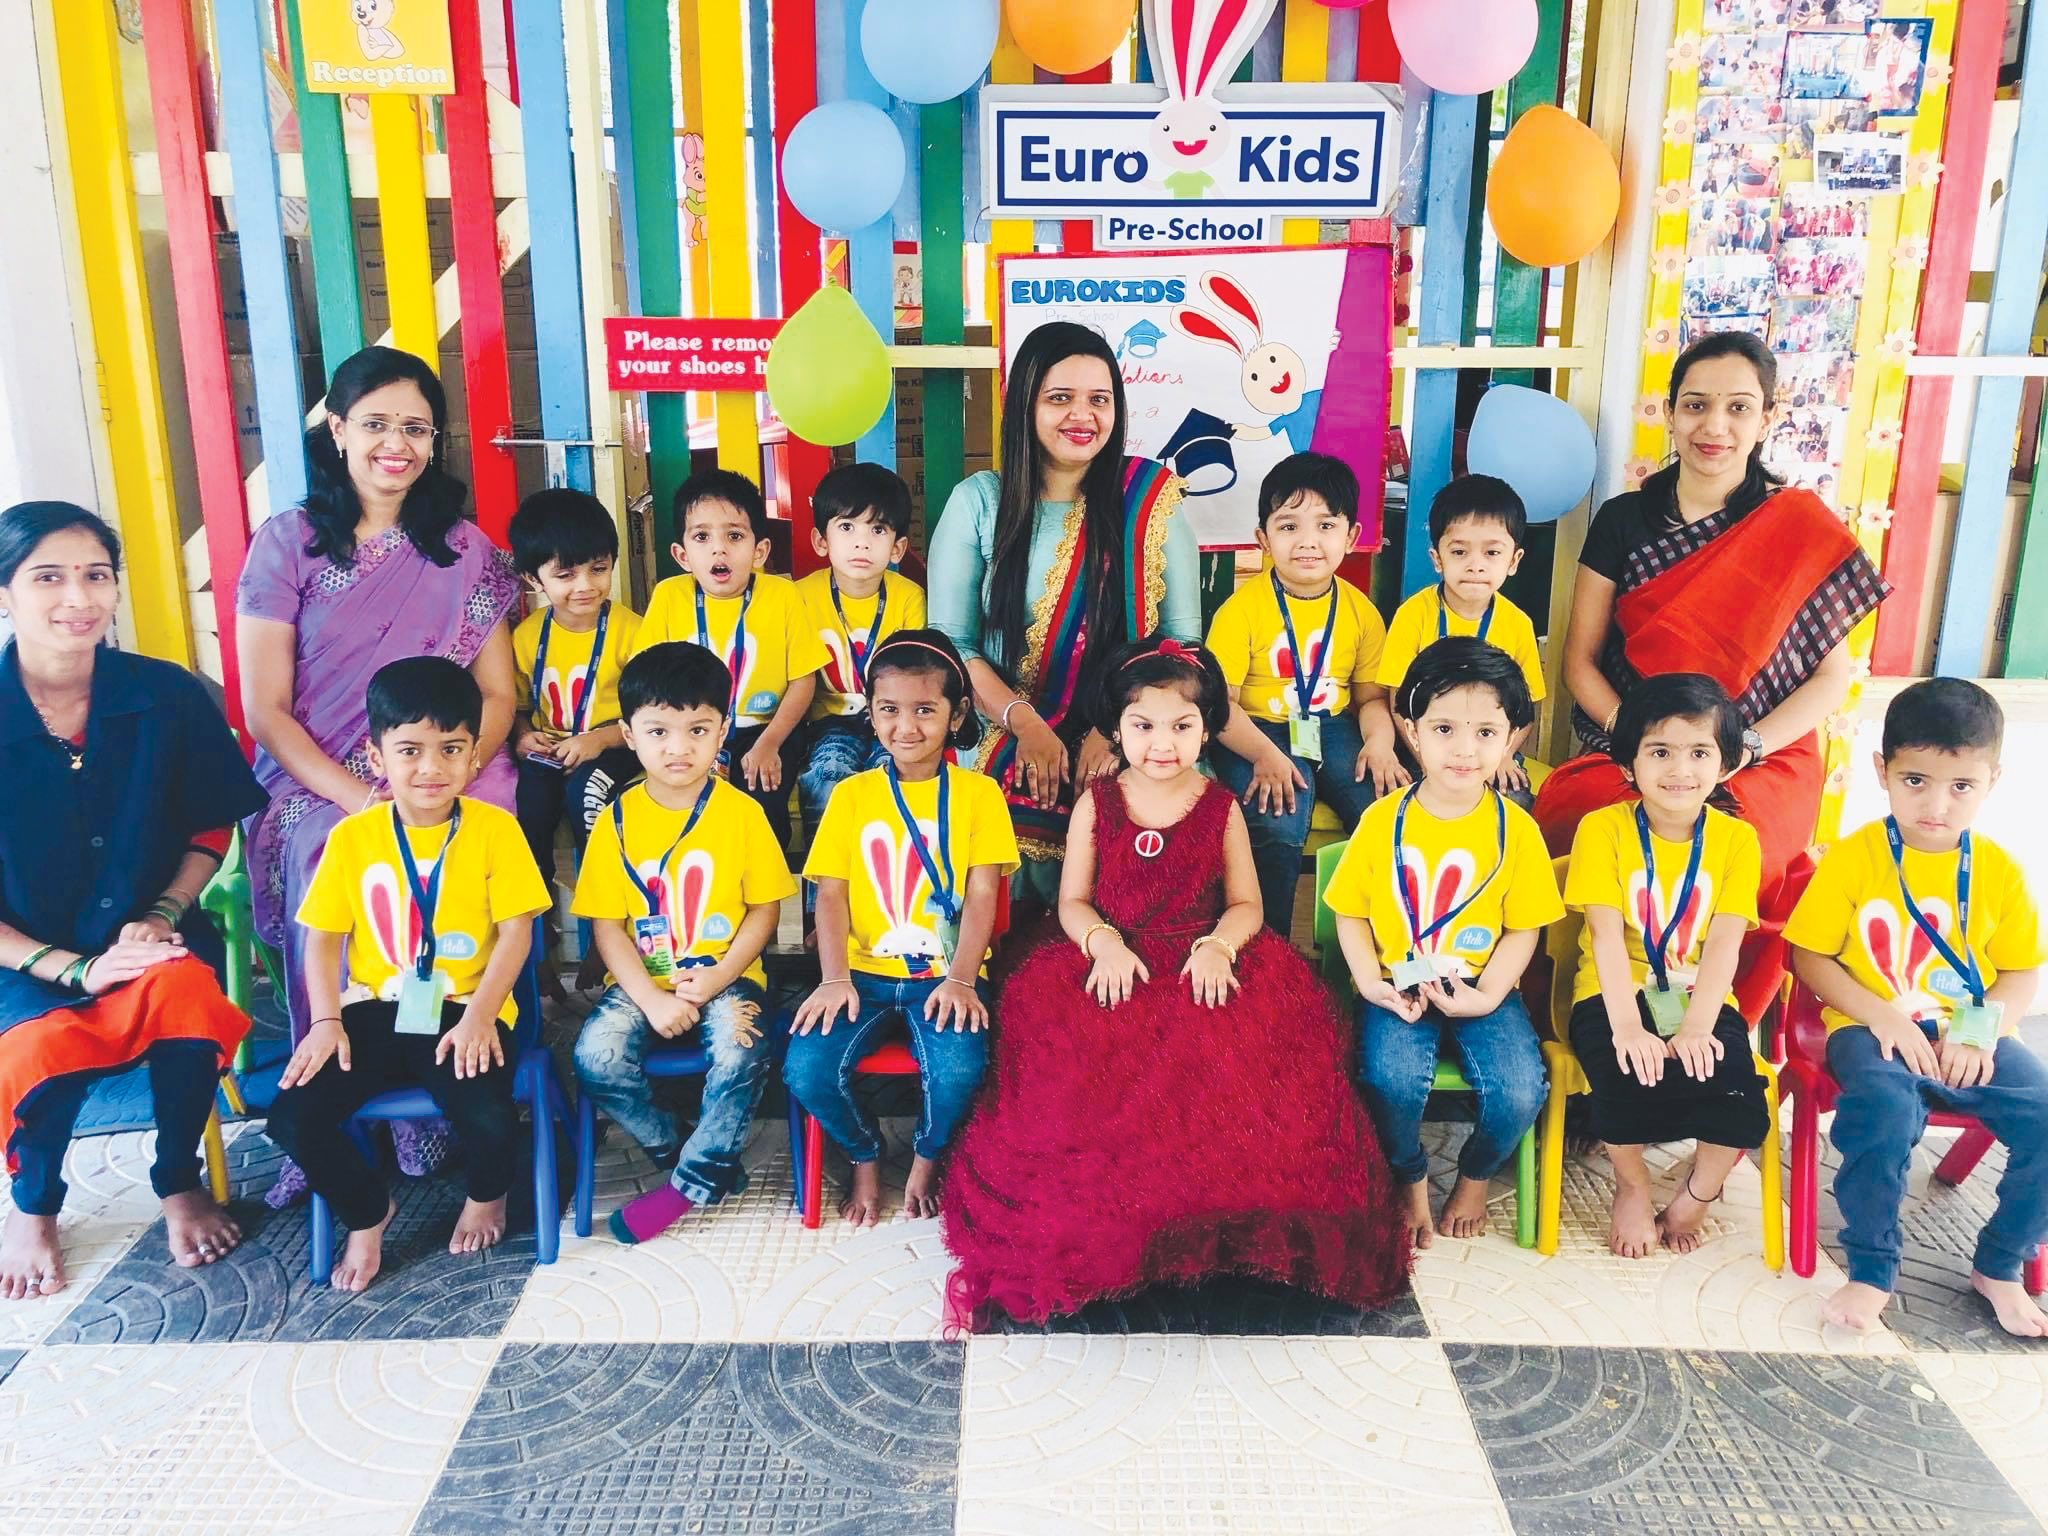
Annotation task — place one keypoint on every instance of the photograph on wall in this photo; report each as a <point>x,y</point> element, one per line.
<point>1726,119</point>
<point>1742,64</point>
<point>1832,15</point>
<point>1735,170</point>
<point>1813,324</point>
<point>1728,283</point>
<point>1805,434</point>
<point>1727,16</point>
<point>1692,327</point>
<point>1816,379</point>
<point>1895,63</point>
<point>1733,224</point>
<point>1769,13</point>
<point>1810,212</point>
<point>1860,162</point>
<point>1804,118</point>
<point>1826,66</point>
<point>1821,267</point>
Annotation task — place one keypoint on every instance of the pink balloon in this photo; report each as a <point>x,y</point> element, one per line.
<point>1463,47</point>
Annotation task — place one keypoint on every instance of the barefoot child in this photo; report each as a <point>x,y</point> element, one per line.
<point>1924,944</point>
<point>435,895</point>
<point>1668,886</point>
<point>1440,898</point>
<point>906,861</point>
<point>683,883</point>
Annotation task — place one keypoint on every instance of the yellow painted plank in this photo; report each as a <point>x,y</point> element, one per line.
<point>402,214</point>
<point>1304,56</point>
<point>721,54</point>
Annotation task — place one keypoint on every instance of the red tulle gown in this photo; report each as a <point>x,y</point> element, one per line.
<point>1161,1141</point>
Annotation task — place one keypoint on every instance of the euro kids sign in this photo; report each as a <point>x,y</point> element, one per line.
<point>1193,144</point>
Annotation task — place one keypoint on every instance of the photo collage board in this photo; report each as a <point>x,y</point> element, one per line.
<point>1799,122</point>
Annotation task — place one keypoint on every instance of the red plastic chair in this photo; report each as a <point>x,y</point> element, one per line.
<point>893,1059</point>
<point>1803,1039</point>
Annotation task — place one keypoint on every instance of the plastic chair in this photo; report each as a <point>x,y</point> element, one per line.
<point>534,1085</point>
<point>1450,1077</point>
<point>228,900</point>
<point>1813,1090</point>
<point>1568,1078</point>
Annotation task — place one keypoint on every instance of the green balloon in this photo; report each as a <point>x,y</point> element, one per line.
<point>828,373</point>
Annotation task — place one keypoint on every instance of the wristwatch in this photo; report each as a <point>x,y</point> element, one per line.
<point>1754,745</point>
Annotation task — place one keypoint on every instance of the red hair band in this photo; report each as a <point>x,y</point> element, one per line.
<point>952,662</point>
<point>1169,647</point>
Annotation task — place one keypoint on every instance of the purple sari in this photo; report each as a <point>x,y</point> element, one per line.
<point>389,603</point>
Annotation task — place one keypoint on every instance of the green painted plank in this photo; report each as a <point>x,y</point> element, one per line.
<point>1219,580</point>
<point>329,211</point>
<point>1518,287</point>
<point>940,208</point>
<point>2026,651</point>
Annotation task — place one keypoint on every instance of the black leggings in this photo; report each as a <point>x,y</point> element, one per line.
<point>311,1121</point>
<point>582,792</point>
<point>183,1075</point>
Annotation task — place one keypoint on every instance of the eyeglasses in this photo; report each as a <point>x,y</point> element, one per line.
<point>377,426</point>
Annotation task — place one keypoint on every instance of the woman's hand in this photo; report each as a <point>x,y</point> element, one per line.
<point>324,1040</point>
<point>1116,974</point>
<point>958,1003</point>
<point>821,1010</point>
<point>1640,1053</point>
<point>1041,766</point>
<point>1696,1048</point>
<point>1211,974</point>
<point>1275,782</point>
<point>123,961</point>
<point>150,930</point>
<point>1095,759</point>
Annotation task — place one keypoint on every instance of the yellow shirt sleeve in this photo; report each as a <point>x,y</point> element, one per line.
<point>806,652</point>
<point>991,838</point>
<point>1593,873</point>
<point>1741,873</point>
<point>1372,642</point>
<point>601,888</point>
<point>2015,943</point>
<point>765,876</point>
<point>832,855</point>
<point>1403,642</point>
<point>329,903</point>
<point>525,643</point>
<point>663,621</point>
<point>1821,922</point>
<point>1532,896</point>
<point>1362,864</point>
<point>1230,638</point>
<point>513,883</point>
<point>1520,643</point>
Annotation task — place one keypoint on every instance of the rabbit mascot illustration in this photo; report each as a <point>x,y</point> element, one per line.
<point>902,892</point>
<point>1196,44</point>
<point>373,28</point>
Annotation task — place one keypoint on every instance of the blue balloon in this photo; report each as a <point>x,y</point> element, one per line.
<point>843,165</point>
<point>1535,442</point>
<point>928,50</point>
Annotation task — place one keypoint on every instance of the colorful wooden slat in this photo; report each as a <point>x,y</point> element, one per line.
<point>1379,57</point>
<point>1010,66</point>
<point>402,216</point>
<point>1518,287</point>
<point>620,69</point>
<point>259,231</point>
<point>722,57</point>
<point>1973,574</point>
<point>473,217</point>
<point>1304,54</point>
<point>544,124</point>
<point>2026,652</point>
<point>942,210</point>
<point>1476,233</point>
<point>330,215</point>
<point>870,252</point>
<point>798,259</point>
<point>696,249</point>
<point>1077,236</point>
<point>1660,345</point>
<point>760,144</point>
<point>173,63</point>
<point>1973,84</point>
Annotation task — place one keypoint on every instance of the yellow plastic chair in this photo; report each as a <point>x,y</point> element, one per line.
<point>1450,1077</point>
<point>216,1156</point>
<point>1568,1078</point>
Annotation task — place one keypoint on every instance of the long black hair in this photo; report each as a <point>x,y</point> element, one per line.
<point>1661,488</point>
<point>1023,461</point>
<point>26,524</point>
<point>434,503</point>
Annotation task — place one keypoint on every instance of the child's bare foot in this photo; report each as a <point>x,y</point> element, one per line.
<point>1420,1226</point>
<point>1464,1213</point>
<point>920,1191</point>
<point>1681,1220</point>
<point>481,1225</point>
<point>1632,1234</point>
<point>1856,1307</point>
<point>200,1231</point>
<point>2018,1313</point>
<point>362,1256</point>
<point>863,1203</point>
<point>31,1259</point>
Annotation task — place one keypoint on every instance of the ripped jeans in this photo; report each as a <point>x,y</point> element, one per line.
<point>609,1053</point>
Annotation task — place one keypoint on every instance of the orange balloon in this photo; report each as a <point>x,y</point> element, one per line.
<point>1069,36</point>
<point>1553,191</point>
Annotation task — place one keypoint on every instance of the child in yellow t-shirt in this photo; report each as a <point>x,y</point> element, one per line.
<point>1477,528</point>
<point>907,861</point>
<point>1440,898</point>
<point>861,514</point>
<point>1299,647</point>
<point>1669,887</point>
<point>1924,944</point>
<point>752,621</point>
<point>683,882</point>
<point>435,897</point>
<point>566,658</point>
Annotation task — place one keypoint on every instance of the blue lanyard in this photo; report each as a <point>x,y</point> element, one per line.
<point>943,889</point>
<point>1420,935</point>
<point>580,710</point>
<point>619,827</point>
<point>1964,964</point>
<point>1304,679</point>
<point>860,651</point>
<point>426,897</point>
<point>1654,945</point>
<point>1443,615</point>
<point>739,640</point>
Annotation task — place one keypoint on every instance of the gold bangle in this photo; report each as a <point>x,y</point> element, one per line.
<point>1092,931</point>
<point>1219,941</point>
<point>1607,725</point>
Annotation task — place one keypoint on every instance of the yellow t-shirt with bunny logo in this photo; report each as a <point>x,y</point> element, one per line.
<point>1417,622</point>
<point>1606,870</point>
<point>728,863</point>
<point>861,839</point>
<point>1852,912</point>
<point>780,644</point>
<point>360,889</point>
<point>902,607</point>
<point>1250,645</point>
<point>1510,881</point>
<point>565,670</point>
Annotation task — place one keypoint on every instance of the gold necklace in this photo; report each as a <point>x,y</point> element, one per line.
<point>75,754</point>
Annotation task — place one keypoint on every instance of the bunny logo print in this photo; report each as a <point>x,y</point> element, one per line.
<point>1458,948</point>
<point>1924,985</point>
<point>1649,910</point>
<point>561,690</point>
<point>1280,664</point>
<point>683,893</point>
<point>393,918</point>
<point>914,930</point>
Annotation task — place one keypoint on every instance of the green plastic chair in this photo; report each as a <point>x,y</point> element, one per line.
<point>1450,1077</point>
<point>228,900</point>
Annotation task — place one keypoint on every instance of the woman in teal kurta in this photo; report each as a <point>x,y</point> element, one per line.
<point>1040,572</point>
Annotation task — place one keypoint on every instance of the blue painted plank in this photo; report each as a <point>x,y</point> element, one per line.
<point>1439,315</point>
<point>870,251</point>
<point>622,152</point>
<point>259,230</point>
<point>761,141</point>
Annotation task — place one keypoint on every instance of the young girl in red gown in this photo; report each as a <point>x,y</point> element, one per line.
<point>1168,1098</point>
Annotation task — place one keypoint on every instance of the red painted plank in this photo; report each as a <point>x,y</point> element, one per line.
<point>1077,236</point>
<point>202,330</point>
<point>795,89</point>
<point>487,389</point>
<point>511,54</point>
<point>1379,59</point>
<point>1979,40</point>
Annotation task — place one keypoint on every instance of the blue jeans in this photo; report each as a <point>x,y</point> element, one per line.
<point>819,1067</point>
<point>609,1057</point>
<point>1502,1062</point>
<point>1278,836</point>
<point>1879,1119</point>
<point>835,749</point>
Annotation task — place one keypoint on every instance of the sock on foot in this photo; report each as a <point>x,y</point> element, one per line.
<point>650,1215</point>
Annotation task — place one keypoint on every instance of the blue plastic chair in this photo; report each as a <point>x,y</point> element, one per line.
<point>534,1085</point>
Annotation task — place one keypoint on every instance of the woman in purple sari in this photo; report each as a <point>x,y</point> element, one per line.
<point>378,564</point>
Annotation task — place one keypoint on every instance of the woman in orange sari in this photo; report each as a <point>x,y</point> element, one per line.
<point>1714,566</point>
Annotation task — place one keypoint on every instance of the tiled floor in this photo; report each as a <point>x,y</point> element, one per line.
<point>743,1375</point>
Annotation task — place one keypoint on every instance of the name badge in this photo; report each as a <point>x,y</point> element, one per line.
<point>949,942</point>
<point>1410,974</point>
<point>1976,1026</point>
<point>652,938</point>
<point>419,1002</point>
<point>1305,738</point>
<point>1667,1007</point>
<point>539,761</point>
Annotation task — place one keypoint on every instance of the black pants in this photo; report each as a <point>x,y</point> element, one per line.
<point>182,1077</point>
<point>583,792</point>
<point>1727,1110</point>
<point>311,1121</point>
<point>774,801</point>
